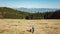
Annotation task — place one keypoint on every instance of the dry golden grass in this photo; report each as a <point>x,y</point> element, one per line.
<point>20,26</point>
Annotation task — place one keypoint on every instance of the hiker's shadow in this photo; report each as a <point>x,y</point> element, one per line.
<point>29,30</point>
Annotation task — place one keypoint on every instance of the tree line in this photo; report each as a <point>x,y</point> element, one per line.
<point>9,13</point>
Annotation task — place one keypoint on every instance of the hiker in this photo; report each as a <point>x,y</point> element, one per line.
<point>32,29</point>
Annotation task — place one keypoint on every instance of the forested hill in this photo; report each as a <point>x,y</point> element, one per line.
<point>11,13</point>
<point>45,15</point>
<point>52,15</point>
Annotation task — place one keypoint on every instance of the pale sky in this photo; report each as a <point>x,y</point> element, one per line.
<point>30,3</point>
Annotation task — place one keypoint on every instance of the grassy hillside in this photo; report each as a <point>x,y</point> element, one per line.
<point>11,13</point>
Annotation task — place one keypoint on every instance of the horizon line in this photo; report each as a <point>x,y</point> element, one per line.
<point>31,7</point>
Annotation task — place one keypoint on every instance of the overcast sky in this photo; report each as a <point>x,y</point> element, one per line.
<point>30,3</point>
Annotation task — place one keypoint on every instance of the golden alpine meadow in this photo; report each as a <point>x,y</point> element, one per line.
<point>21,26</point>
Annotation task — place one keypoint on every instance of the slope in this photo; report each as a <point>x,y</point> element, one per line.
<point>11,13</point>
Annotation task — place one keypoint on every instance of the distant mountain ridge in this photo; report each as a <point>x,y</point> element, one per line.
<point>33,10</point>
